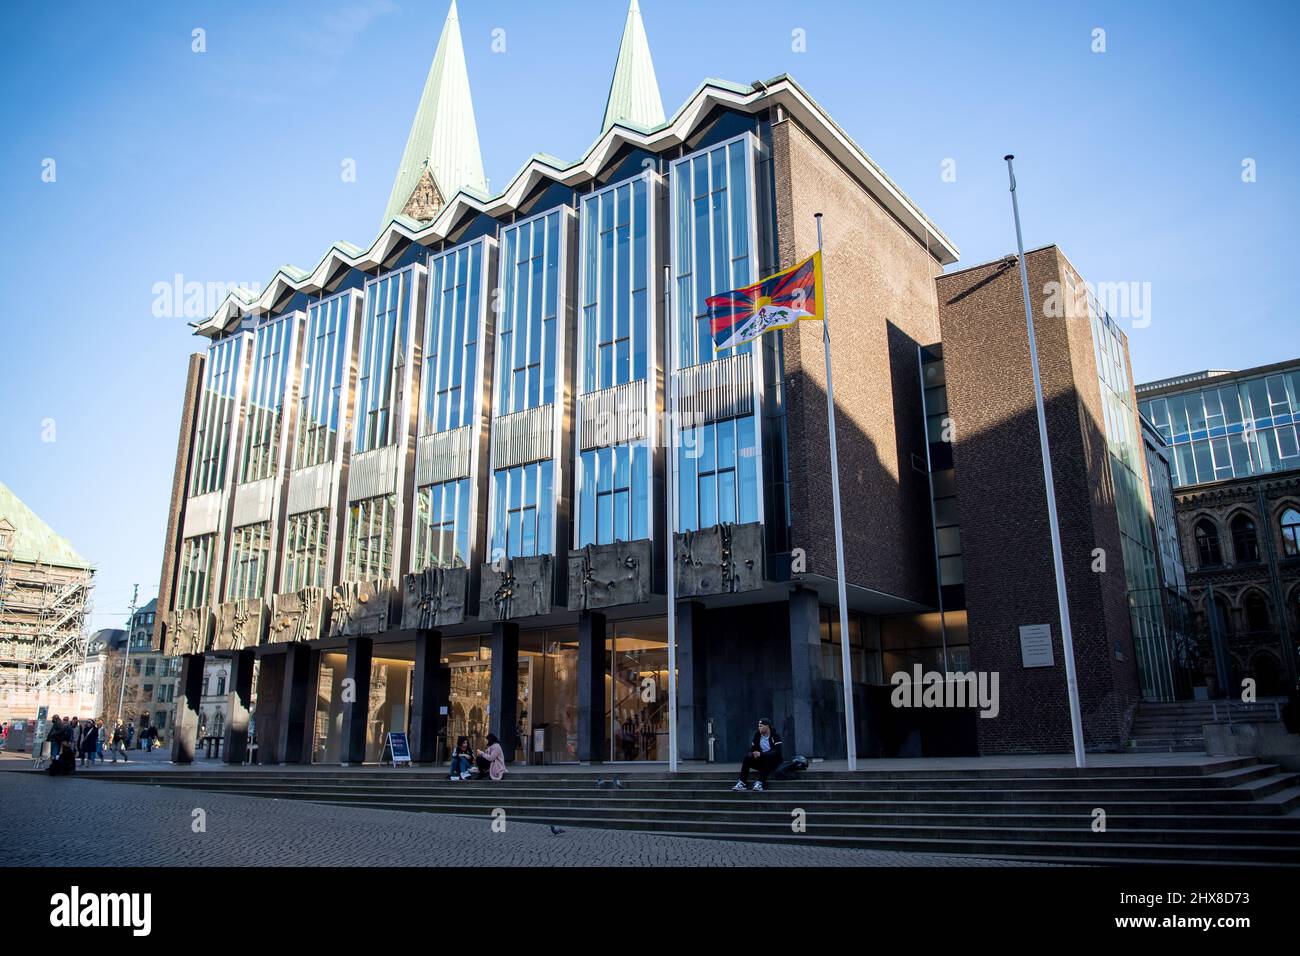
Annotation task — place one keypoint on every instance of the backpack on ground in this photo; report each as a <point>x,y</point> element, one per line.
<point>791,768</point>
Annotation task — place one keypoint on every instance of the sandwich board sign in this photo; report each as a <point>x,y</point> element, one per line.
<point>396,749</point>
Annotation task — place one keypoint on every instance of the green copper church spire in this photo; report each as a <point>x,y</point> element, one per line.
<point>634,92</point>
<point>442,153</point>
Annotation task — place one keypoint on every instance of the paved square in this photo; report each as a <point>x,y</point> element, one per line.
<point>74,821</point>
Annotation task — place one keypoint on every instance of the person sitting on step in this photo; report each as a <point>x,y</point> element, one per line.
<point>462,758</point>
<point>492,761</point>
<point>764,755</point>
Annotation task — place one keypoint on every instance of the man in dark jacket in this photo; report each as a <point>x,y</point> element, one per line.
<point>54,736</point>
<point>764,756</point>
<point>89,742</point>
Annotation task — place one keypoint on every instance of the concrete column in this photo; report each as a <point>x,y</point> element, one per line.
<point>185,725</point>
<point>240,693</point>
<point>293,746</point>
<point>428,697</point>
<point>505,684</point>
<point>593,745</point>
<point>805,667</point>
<point>352,747</point>
<point>692,678</point>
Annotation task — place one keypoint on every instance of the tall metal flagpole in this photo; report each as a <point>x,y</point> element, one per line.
<point>126,656</point>
<point>1067,639</point>
<point>671,544</point>
<point>846,659</point>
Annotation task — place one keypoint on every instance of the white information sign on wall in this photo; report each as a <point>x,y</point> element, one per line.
<point>1036,645</point>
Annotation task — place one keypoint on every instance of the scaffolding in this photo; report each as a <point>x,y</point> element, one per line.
<point>43,609</point>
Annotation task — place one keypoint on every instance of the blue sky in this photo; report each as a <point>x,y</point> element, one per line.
<point>220,166</point>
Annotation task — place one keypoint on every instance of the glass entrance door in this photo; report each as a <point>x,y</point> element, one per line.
<point>637,702</point>
<point>467,711</point>
<point>469,706</point>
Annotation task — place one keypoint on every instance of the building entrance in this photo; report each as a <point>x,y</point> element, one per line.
<point>389,705</point>
<point>636,697</point>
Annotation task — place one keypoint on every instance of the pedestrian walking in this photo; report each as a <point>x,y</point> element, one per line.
<point>89,743</point>
<point>72,734</point>
<point>99,739</point>
<point>118,744</point>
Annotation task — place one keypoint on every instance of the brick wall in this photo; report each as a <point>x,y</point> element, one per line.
<point>1009,573</point>
<point>881,304</point>
<point>176,507</point>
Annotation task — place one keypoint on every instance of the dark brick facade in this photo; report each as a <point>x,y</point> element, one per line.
<point>881,305</point>
<point>176,507</point>
<point>1008,568</point>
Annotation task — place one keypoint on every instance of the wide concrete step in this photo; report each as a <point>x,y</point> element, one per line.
<point>1246,792</point>
<point>1229,811</point>
<point>1235,776</point>
<point>725,771</point>
<point>1199,847</point>
<point>1132,816</point>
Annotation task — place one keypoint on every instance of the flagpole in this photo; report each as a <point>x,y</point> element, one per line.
<point>846,659</point>
<point>671,554</point>
<point>1067,638</point>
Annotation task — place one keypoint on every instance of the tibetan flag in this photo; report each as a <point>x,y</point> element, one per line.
<point>777,302</point>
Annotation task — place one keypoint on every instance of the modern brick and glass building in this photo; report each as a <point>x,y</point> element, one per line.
<point>1235,466</point>
<point>436,465</point>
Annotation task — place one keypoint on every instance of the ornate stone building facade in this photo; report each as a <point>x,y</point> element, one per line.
<point>1238,541</point>
<point>1237,487</point>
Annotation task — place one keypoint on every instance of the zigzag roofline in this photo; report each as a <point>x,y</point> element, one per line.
<point>781,90</point>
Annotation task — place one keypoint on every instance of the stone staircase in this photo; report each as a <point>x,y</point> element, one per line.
<point>1175,727</point>
<point>1228,810</point>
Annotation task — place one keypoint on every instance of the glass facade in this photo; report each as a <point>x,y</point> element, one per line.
<point>637,698</point>
<point>450,395</point>
<point>442,525</point>
<point>389,705</point>
<point>324,370</point>
<point>522,511</point>
<point>713,243</point>
<point>613,483</point>
<point>713,240</point>
<point>864,648</point>
<point>532,252</point>
<point>250,552</point>
<point>195,571</point>
<point>306,550</point>
<point>936,642</point>
<point>272,352</point>
<point>451,339</point>
<point>381,378</point>
<point>371,529</point>
<point>616,265</point>
<point>717,474</point>
<point>1160,479</point>
<point>217,403</point>
<point>1151,639</point>
<point>943,481</point>
<point>1236,429</point>
<point>523,517</point>
<point>614,494</point>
